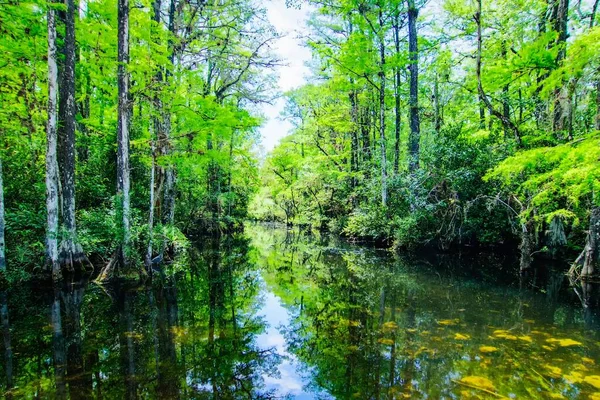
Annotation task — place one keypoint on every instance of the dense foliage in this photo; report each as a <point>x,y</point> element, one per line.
<point>195,72</point>
<point>446,123</point>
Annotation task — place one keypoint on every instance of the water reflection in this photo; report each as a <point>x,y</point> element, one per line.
<point>276,313</point>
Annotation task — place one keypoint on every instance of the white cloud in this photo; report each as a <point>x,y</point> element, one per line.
<point>290,22</point>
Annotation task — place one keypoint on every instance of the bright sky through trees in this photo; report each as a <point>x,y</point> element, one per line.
<point>290,22</point>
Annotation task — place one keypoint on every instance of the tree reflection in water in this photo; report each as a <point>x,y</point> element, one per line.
<point>358,323</point>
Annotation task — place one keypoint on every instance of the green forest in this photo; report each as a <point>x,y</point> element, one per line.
<point>131,129</point>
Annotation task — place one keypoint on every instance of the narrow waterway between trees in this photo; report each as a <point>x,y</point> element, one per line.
<point>273,313</point>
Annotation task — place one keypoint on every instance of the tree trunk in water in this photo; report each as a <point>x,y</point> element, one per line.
<point>70,253</point>
<point>415,125</point>
<point>120,258</point>
<point>525,247</point>
<point>58,344</point>
<point>148,259</point>
<point>397,95</point>
<point>2,224</point>
<point>382,110</point>
<point>155,133</point>
<point>169,195</point>
<point>51,156</point>
<point>123,183</point>
<point>592,249</point>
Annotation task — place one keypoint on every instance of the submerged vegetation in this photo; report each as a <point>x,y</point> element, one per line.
<point>275,313</point>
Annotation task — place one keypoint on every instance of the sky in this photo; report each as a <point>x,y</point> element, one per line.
<point>289,22</point>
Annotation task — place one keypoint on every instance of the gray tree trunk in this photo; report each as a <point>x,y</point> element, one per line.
<point>437,120</point>
<point>382,109</point>
<point>148,259</point>
<point>70,252</point>
<point>169,195</point>
<point>592,249</point>
<point>51,154</point>
<point>526,248</point>
<point>413,49</point>
<point>123,183</point>
<point>121,256</point>
<point>2,224</point>
<point>397,95</point>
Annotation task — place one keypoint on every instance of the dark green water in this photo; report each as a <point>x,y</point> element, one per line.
<point>271,314</point>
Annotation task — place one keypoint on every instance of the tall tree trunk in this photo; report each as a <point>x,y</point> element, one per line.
<point>560,19</point>
<point>436,105</point>
<point>505,93</point>
<point>123,183</point>
<point>592,249</point>
<point>525,247</point>
<point>155,126</point>
<point>148,258</point>
<point>397,95</point>
<point>169,194</point>
<point>382,109</point>
<point>120,258</point>
<point>354,135</point>
<point>506,122</point>
<point>70,253</point>
<point>51,155</point>
<point>2,224</point>
<point>413,50</point>
<point>366,137</point>
<point>481,112</point>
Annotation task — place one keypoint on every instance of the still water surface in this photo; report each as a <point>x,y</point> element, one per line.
<point>276,314</point>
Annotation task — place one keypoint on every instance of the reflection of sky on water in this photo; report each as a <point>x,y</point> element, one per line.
<point>291,381</point>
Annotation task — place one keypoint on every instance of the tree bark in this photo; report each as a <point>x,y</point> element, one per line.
<point>382,109</point>
<point>525,247</point>
<point>592,248</point>
<point>354,135</point>
<point>413,49</point>
<point>366,137</point>
<point>505,94</point>
<point>148,259</point>
<point>436,105</point>
<point>51,155</point>
<point>2,224</point>
<point>70,253</point>
<point>123,183</point>
<point>397,95</point>
<point>169,194</point>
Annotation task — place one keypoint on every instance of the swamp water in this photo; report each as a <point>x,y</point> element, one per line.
<point>276,314</point>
